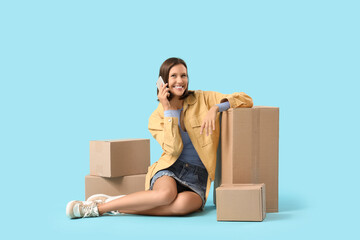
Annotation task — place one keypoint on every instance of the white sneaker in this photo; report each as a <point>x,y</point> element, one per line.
<point>103,198</point>
<point>80,209</point>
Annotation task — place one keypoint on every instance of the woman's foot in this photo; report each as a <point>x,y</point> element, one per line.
<point>81,209</point>
<point>103,198</point>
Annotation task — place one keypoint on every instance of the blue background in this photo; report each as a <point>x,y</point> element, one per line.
<point>75,71</point>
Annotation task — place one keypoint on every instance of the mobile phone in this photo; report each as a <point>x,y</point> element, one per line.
<point>159,82</point>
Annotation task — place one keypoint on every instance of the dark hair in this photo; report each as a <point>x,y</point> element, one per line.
<point>164,73</point>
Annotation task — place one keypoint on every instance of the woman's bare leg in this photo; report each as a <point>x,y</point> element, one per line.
<point>185,203</point>
<point>164,193</point>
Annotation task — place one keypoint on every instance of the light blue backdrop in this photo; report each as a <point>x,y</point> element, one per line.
<point>74,71</point>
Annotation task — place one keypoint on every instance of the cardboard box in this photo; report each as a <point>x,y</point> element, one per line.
<point>114,186</point>
<point>249,149</point>
<point>241,202</point>
<point>115,158</point>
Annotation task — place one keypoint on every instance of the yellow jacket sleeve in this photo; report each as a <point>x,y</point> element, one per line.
<point>166,131</point>
<point>236,100</point>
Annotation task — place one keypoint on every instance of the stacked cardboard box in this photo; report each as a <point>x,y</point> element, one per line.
<point>249,154</point>
<point>117,167</point>
<point>241,202</point>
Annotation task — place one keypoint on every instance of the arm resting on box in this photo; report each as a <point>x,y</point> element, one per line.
<point>236,100</point>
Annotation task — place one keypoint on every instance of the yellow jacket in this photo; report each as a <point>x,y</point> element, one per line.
<point>166,131</point>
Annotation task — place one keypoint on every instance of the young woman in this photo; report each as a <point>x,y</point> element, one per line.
<point>186,125</point>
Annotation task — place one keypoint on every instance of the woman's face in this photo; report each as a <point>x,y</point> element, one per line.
<point>178,80</point>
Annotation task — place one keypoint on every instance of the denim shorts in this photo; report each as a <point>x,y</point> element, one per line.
<point>188,178</point>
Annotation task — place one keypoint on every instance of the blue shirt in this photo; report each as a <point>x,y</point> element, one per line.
<point>189,154</point>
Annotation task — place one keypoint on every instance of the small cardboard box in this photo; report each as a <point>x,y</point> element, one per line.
<point>116,158</point>
<point>240,202</point>
<point>114,186</point>
<point>249,149</point>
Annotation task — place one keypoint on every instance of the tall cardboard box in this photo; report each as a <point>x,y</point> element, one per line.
<point>249,149</point>
<point>240,202</point>
<point>114,186</point>
<point>116,158</point>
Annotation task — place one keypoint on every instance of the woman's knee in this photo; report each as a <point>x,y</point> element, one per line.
<point>165,189</point>
<point>186,203</point>
<point>165,196</point>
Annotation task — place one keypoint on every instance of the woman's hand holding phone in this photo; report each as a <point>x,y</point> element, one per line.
<point>163,96</point>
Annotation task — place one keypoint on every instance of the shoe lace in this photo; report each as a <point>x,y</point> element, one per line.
<point>90,210</point>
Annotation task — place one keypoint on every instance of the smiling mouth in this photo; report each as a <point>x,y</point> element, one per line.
<point>178,87</point>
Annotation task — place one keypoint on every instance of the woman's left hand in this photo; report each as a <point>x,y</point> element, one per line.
<point>209,121</point>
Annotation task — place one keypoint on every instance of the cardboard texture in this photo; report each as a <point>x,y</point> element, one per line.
<point>114,186</point>
<point>116,158</point>
<point>249,149</point>
<point>241,202</point>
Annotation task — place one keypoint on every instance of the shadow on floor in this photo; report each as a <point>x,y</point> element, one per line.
<point>291,203</point>
<point>207,211</point>
<point>270,217</point>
